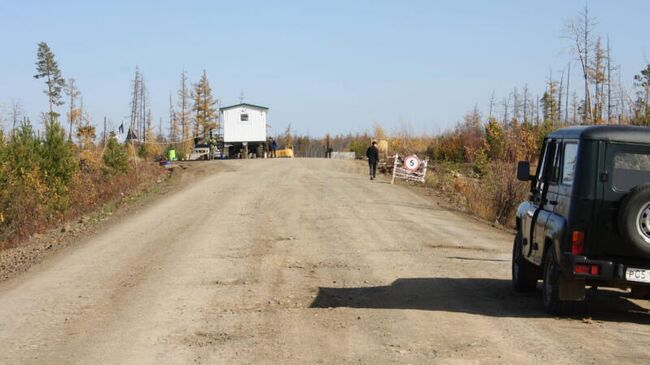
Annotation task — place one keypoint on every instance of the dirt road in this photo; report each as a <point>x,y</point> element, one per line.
<point>299,261</point>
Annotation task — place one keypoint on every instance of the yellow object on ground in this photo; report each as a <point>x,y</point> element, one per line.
<point>287,152</point>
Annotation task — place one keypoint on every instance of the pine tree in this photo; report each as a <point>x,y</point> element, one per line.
<point>86,134</point>
<point>116,160</point>
<point>23,193</point>
<point>549,101</point>
<point>206,114</point>
<point>495,139</point>
<point>47,67</point>
<point>22,152</point>
<point>57,163</point>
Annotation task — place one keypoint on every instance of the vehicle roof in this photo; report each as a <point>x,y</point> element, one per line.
<point>610,133</point>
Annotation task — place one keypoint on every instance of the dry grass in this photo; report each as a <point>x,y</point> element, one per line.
<point>493,197</point>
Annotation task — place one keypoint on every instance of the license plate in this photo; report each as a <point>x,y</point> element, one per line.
<point>638,275</point>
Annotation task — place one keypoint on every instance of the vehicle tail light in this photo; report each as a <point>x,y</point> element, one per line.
<point>577,243</point>
<point>582,269</point>
<point>587,269</point>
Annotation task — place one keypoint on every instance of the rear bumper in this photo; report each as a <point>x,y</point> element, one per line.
<point>612,272</point>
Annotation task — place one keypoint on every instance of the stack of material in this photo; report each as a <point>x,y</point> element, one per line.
<point>344,155</point>
<point>287,152</point>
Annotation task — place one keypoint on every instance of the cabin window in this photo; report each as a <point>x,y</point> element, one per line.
<point>244,118</point>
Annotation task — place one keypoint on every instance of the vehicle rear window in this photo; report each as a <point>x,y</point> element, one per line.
<point>630,169</point>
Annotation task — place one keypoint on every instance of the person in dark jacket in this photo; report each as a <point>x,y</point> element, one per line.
<point>373,157</point>
<point>274,148</point>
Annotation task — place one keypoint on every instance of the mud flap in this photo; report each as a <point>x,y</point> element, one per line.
<point>573,289</point>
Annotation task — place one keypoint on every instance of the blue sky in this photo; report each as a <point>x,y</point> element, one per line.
<point>323,66</point>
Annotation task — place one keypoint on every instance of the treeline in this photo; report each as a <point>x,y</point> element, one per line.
<point>193,118</point>
<point>46,178</point>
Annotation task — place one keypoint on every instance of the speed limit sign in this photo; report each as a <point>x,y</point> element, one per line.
<point>411,163</point>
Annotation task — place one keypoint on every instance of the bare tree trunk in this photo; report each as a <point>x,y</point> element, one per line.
<point>559,98</point>
<point>506,107</point>
<point>135,104</point>
<point>537,109</point>
<point>586,63</point>
<point>49,93</point>
<point>16,113</point>
<point>491,103</point>
<point>566,105</point>
<point>515,105</point>
<point>575,108</point>
<point>525,103</point>
<point>143,97</point>
<point>609,84</point>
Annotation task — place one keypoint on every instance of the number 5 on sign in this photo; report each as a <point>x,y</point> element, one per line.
<point>411,163</point>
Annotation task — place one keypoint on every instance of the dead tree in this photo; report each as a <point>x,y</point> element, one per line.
<point>73,93</point>
<point>568,83</point>
<point>525,103</point>
<point>579,31</point>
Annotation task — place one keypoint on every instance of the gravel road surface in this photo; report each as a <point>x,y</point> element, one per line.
<point>299,261</point>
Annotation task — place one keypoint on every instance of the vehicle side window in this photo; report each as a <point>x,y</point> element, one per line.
<point>569,163</point>
<point>541,168</point>
<point>630,169</point>
<point>547,165</point>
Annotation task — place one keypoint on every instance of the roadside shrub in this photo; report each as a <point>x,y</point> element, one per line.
<point>116,160</point>
<point>23,194</point>
<point>504,192</point>
<point>493,196</point>
<point>57,165</point>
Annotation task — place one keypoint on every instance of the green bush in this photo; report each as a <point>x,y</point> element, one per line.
<point>358,148</point>
<point>58,164</point>
<point>23,194</point>
<point>116,159</point>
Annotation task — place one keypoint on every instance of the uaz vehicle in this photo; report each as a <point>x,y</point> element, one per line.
<point>587,219</point>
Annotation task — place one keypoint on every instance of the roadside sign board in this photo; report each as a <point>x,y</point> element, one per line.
<point>409,168</point>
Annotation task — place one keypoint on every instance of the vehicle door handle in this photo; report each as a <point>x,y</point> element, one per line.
<point>553,202</point>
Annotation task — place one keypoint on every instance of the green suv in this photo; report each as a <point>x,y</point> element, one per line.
<point>587,218</point>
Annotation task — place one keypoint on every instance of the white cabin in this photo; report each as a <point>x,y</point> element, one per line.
<point>244,123</point>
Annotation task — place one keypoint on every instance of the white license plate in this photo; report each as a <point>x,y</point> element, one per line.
<point>638,275</point>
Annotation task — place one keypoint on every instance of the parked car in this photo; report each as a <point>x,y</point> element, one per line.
<point>587,219</point>
<point>200,152</point>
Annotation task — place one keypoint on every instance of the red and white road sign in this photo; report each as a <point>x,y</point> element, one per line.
<point>411,163</point>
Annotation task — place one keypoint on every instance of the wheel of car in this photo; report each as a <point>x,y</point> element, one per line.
<point>640,292</point>
<point>634,219</point>
<point>524,274</point>
<point>551,287</point>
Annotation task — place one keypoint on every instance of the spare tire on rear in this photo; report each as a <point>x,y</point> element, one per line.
<point>634,219</point>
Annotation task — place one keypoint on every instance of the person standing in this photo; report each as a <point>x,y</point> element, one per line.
<point>373,157</point>
<point>274,147</point>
